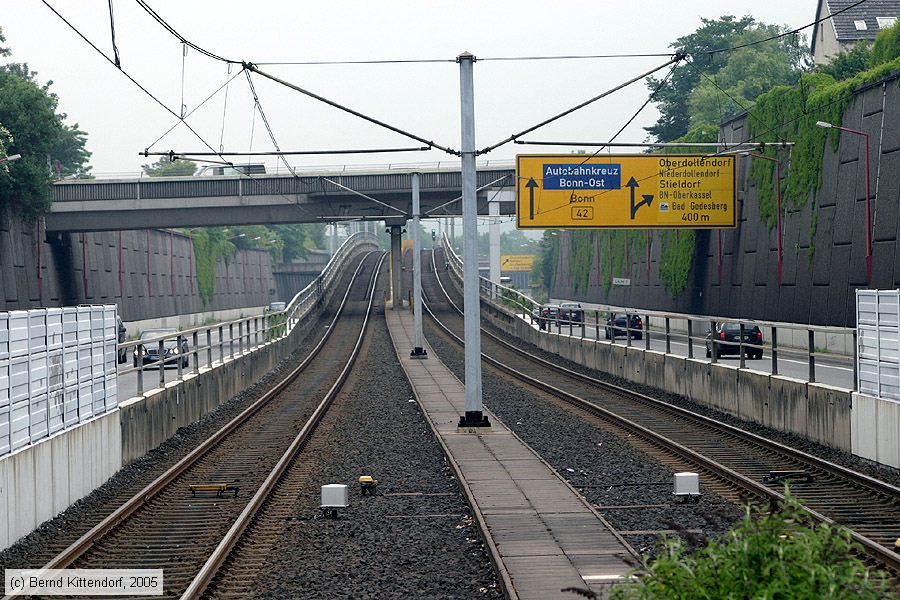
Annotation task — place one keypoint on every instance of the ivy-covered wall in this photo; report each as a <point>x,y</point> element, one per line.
<point>823,224</point>
<point>112,268</point>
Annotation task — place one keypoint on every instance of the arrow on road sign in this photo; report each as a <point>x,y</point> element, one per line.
<point>531,185</point>
<point>648,198</point>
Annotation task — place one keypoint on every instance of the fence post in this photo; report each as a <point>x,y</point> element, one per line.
<point>162,364</point>
<point>209,359</point>
<point>741,346</point>
<point>690,327</point>
<point>231,340</point>
<point>668,338</point>
<point>713,342</point>
<point>855,373</point>
<point>195,338</point>
<point>646,332</point>
<point>180,369</point>
<point>774,350</point>
<point>811,337</point>
<point>597,324</point>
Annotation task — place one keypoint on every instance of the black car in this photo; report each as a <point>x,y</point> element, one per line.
<point>571,311</point>
<point>731,332</point>
<point>149,353</point>
<point>616,326</point>
<point>547,314</point>
<point>122,353</point>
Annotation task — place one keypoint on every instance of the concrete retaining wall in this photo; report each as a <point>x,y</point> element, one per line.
<point>875,429</point>
<point>147,273</point>
<point>39,482</point>
<point>816,411</point>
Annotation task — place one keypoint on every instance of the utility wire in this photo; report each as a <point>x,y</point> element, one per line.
<point>195,109</point>
<point>180,37</point>
<point>266,122</point>
<point>252,67</point>
<point>130,78</point>
<point>300,152</point>
<point>649,99</point>
<point>224,110</point>
<point>785,33</point>
<point>674,60</point>
<point>112,31</point>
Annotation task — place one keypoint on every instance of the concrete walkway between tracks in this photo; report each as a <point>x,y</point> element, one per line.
<point>543,536</point>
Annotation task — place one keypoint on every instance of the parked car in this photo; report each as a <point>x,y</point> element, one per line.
<point>549,314</point>
<point>571,311</point>
<point>731,332</point>
<point>276,306</point>
<point>617,325</point>
<point>122,353</point>
<point>149,353</point>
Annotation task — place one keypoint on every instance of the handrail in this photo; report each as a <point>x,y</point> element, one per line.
<point>711,345</point>
<point>240,335</point>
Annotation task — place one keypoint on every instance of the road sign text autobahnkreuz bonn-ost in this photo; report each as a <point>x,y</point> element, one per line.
<point>625,191</point>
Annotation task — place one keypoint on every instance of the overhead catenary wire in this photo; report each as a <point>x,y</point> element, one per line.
<point>112,32</point>
<point>297,152</point>
<point>569,111</point>
<point>193,110</point>
<point>181,38</point>
<point>126,74</point>
<point>296,88</point>
<point>265,120</point>
<point>649,99</point>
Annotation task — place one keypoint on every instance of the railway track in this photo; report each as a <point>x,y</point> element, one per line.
<point>189,537</point>
<point>744,462</point>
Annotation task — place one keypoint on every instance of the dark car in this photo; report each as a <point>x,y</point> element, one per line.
<point>571,311</point>
<point>149,353</point>
<point>549,313</point>
<point>122,353</point>
<point>731,332</point>
<point>616,326</point>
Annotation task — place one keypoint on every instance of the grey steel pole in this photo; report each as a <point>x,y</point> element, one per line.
<point>395,267</point>
<point>494,235</point>
<point>473,416</point>
<point>418,351</point>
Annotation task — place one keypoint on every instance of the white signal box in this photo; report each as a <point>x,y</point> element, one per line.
<point>687,484</point>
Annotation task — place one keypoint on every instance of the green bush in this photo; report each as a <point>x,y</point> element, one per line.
<point>887,45</point>
<point>772,555</point>
<point>676,258</point>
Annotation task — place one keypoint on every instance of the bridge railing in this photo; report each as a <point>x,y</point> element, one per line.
<point>220,342</point>
<point>693,336</point>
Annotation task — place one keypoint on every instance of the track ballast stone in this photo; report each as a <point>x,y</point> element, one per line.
<point>603,467</point>
<point>416,538</point>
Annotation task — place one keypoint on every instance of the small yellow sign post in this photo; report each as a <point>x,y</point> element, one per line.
<point>516,262</point>
<point>625,191</point>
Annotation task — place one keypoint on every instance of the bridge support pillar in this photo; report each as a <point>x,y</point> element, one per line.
<point>396,255</point>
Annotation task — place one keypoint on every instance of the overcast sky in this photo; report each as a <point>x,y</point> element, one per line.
<point>422,98</point>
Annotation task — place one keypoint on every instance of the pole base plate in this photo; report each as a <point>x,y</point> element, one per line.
<point>418,353</point>
<point>473,422</point>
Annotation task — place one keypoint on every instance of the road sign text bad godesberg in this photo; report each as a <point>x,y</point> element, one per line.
<point>627,191</point>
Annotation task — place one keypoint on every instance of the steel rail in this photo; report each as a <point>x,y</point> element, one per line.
<point>127,509</point>
<point>223,550</point>
<point>880,552</point>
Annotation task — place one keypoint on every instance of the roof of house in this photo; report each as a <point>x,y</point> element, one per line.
<point>844,24</point>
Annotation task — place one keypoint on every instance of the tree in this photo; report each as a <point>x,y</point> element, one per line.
<point>166,167</point>
<point>673,98</point>
<point>887,45</point>
<point>747,73</point>
<point>849,62</point>
<point>36,131</point>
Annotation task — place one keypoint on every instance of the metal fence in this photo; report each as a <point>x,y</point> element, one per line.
<point>695,336</point>
<point>215,344</point>
<point>57,370</point>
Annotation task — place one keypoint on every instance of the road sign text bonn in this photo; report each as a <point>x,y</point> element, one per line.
<point>636,191</point>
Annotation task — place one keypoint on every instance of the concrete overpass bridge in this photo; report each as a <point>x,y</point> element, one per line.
<point>308,197</point>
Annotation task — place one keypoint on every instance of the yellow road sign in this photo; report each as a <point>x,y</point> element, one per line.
<point>516,262</point>
<point>625,191</point>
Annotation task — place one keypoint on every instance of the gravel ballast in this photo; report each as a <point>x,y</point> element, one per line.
<point>416,538</point>
<point>53,536</point>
